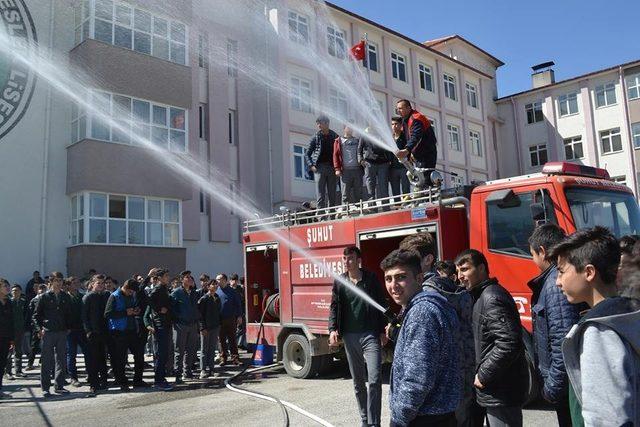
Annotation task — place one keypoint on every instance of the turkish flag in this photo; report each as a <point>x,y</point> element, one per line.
<point>357,50</point>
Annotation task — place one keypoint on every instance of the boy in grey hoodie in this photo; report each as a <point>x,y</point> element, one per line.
<point>602,352</point>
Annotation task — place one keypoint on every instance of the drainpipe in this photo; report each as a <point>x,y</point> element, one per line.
<point>269,130</point>
<point>627,123</point>
<point>516,128</point>
<point>46,143</point>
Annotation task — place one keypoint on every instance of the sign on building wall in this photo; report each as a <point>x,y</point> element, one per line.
<point>17,80</point>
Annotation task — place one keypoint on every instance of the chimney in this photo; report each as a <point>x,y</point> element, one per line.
<point>543,75</point>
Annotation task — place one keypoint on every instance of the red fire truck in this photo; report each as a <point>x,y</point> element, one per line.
<point>495,217</point>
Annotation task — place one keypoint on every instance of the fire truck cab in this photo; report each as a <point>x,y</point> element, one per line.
<point>288,289</point>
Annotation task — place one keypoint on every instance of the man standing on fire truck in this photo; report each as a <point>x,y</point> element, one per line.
<point>361,328</point>
<point>419,138</point>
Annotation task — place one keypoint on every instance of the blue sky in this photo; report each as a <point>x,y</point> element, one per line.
<point>579,36</point>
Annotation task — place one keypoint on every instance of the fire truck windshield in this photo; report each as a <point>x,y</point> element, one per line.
<point>615,210</point>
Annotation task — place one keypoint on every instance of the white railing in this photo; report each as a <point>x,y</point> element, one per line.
<point>348,210</point>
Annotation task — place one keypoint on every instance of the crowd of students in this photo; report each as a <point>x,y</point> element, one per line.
<point>107,322</point>
<point>460,356</point>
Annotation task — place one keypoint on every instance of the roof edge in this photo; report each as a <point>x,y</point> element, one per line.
<point>445,39</point>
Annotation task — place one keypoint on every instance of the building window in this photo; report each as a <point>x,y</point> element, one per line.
<point>336,43</point>
<point>605,95</point>
<point>476,143</point>
<point>635,134</point>
<point>298,28</point>
<point>633,86</point>
<point>124,220</point>
<point>124,26</point>
<point>426,78</point>
<point>232,58</point>
<point>338,103</point>
<point>538,155</point>
<point>534,112</point>
<point>472,95</point>
<point>610,141</point>
<point>622,179</point>
<point>233,126</point>
<point>568,104</point>
<point>398,67</point>
<point>202,121</point>
<point>203,51</point>
<point>434,125</point>
<point>450,87</point>
<point>573,148</point>
<point>132,121</point>
<point>371,60</point>
<point>300,170</point>
<point>300,95</point>
<point>454,138</point>
<point>457,180</point>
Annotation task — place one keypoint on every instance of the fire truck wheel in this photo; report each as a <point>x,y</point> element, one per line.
<point>298,361</point>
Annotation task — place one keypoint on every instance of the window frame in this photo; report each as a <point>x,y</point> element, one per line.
<point>130,121</point>
<point>173,44</point>
<point>307,176</point>
<point>295,36</point>
<point>534,108</point>
<point>299,96</point>
<point>450,89</point>
<point>425,74</point>
<point>566,99</point>
<point>609,134</point>
<point>476,143</point>
<point>635,135</point>
<point>537,149</point>
<point>572,143</point>
<point>605,88</point>
<point>338,103</point>
<point>336,40</point>
<point>472,94</point>
<point>83,217</point>
<point>633,84</point>
<point>451,131</point>
<point>399,66</point>
<point>372,51</point>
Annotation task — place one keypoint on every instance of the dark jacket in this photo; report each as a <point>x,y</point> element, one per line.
<point>552,316</point>
<point>93,306</point>
<point>20,314</point>
<point>500,360</point>
<point>142,301</point>
<point>53,314</point>
<point>420,139</point>
<point>76,311</point>
<point>230,303</point>
<point>209,309</point>
<point>185,306</point>
<point>372,287</point>
<point>425,375</point>
<point>158,298</point>
<point>7,329</point>
<point>314,150</point>
<point>31,309</point>
<point>29,290</point>
<point>369,152</point>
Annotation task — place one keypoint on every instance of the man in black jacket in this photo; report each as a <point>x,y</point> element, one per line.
<point>52,320</point>
<point>19,302</point>
<point>501,371</point>
<point>552,316</point>
<point>6,327</point>
<point>157,319</point>
<point>95,328</point>
<point>34,343</point>
<point>361,327</point>
<point>210,318</point>
<point>76,336</point>
<point>376,162</point>
<point>319,160</point>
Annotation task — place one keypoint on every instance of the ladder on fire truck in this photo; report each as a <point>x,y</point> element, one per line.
<point>288,217</point>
